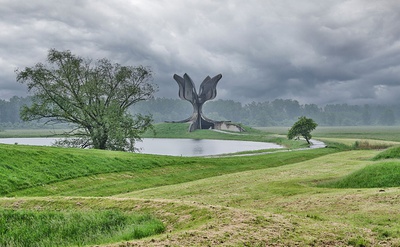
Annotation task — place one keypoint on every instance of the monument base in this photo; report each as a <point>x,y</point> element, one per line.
<point>217,125</point>
<point>227,125</point>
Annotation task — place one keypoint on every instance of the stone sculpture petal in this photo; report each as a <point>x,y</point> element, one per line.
<point>187,90</point>
<point>181,84</point>
<point>208,88</point>
<point>190,93</point>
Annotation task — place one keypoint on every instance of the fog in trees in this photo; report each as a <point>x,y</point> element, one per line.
<point>279,112</point>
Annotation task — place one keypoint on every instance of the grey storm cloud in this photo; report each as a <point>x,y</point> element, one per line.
<point>322,52</point>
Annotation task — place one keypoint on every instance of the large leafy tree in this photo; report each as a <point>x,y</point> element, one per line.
<point>302,127</point>
<point>92,96</point>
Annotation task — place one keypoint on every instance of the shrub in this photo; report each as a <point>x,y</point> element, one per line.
<point>368,146</point>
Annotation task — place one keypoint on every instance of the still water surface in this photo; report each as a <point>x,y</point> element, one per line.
<point>174,147</point>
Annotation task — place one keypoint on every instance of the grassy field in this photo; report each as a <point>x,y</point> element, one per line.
<point>377,133</point>
<point>335,196</point>
<point>10,133</point>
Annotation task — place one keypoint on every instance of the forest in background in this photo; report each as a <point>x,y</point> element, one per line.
<point>279,112</point>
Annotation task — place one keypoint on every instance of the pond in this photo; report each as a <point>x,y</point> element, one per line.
<point>170,146</point>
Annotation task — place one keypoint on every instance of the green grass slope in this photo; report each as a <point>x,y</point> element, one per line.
<point>390,153</point>
<point>380,175</point>
<point>27,170</point>
<point>377,175</point>
<point>26,166</point>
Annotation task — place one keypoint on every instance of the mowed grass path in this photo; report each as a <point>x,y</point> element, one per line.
<point>317,215</point>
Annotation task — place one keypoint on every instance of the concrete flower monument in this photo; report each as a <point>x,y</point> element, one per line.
<point>207,91</point>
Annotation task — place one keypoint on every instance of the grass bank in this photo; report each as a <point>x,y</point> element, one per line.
<point>37,171</point>
<point>381,174</point>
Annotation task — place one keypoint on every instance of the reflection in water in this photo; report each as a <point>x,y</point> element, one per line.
<point>197,147</point>
<point>174,147</point>
<point>191,147</point>
<point>198,150</point>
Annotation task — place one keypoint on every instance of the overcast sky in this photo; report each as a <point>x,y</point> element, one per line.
<point>313,51</point>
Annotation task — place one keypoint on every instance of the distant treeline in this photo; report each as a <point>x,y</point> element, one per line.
<point>279,112</point>
<point>9,113</point>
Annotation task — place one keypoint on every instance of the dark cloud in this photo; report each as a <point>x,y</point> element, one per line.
<point>314,51</point>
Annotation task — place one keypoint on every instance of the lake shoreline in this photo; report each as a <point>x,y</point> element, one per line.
<point>170,146</point>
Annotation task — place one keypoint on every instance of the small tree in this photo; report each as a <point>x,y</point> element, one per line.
<point>302,127</point>
<point>93,97</point>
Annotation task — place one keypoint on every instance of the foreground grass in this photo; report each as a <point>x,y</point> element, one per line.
<point>66,228</point>
<point>308,215</point>
<point>278,205</point>
<point>263,200</point>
